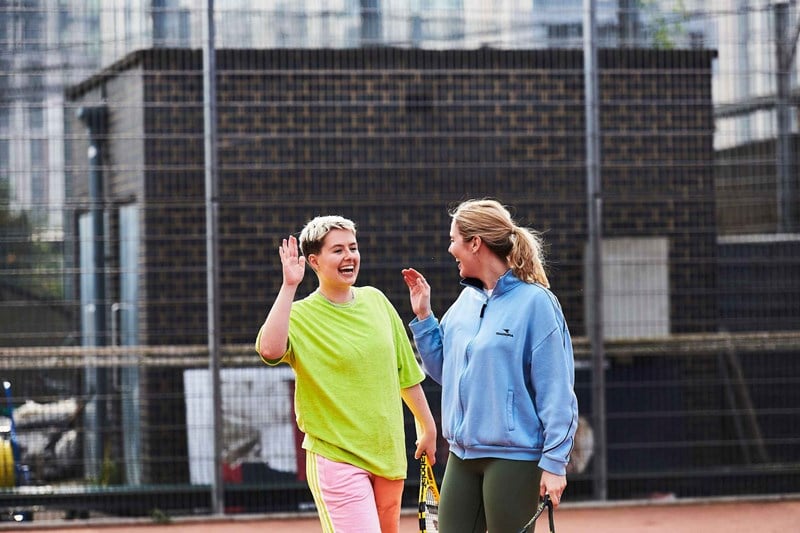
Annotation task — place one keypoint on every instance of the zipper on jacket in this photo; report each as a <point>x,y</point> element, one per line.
<point>467,357</point>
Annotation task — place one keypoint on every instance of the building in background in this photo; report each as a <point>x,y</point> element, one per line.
<point>44,46</point>
<point>47,45</point>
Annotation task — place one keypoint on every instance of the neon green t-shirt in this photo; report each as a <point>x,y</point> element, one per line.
<point>350,362</point>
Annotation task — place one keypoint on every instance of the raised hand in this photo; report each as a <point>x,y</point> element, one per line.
<point>294,264</point>
<point>419,293</point>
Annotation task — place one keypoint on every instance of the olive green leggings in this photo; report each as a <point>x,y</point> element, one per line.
<point>497,494</point>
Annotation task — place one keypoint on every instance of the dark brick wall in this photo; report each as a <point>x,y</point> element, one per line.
<point>392,139</point>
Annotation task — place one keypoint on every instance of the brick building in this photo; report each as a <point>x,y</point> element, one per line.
<point>390,138</point>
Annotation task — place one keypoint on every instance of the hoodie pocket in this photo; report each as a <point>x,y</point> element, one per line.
<point>510,410</point>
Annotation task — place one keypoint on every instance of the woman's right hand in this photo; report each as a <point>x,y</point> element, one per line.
<point>419,292</point>
<point>294,264</point>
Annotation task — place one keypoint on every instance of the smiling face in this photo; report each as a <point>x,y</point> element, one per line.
<point>463,251</point>
<point>338,260</point>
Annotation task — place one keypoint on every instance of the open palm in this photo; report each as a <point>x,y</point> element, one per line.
<point>294,264</point>
<point>419,292</point>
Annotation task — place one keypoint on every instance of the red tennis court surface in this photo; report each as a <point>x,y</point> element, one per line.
<point>777,515</point>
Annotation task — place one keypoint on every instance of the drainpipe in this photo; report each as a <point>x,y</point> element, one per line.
<point>95,388</point>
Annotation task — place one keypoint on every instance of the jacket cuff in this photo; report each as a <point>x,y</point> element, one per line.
<point>554,467</point>
<point>421,327</point>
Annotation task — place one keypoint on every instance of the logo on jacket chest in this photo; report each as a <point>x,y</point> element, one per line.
<point>504,333</point>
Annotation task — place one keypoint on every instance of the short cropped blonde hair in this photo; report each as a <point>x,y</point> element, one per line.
<point>314,233</point>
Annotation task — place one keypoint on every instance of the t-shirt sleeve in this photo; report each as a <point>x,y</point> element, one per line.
<point>408,368</point>
<point>273,362</point>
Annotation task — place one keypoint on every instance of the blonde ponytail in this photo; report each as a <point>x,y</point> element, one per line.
<point>521,248</point>
<point>526,256</point>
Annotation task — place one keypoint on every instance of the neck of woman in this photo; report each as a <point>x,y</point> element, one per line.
<point>493,272</point>
<point>337,296</point>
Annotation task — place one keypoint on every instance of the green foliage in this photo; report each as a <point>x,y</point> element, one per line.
<point>160,517</point>
<point>666,27</point>
<point>110,473</point>
<point>25,262</point>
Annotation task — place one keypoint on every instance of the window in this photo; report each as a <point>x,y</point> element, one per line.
<point>5,154</point>
<point>635,287</point>
<point>36,117</point>
<point>38,153</point>
<point>5,118</point>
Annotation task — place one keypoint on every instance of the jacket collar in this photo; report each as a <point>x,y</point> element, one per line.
<point>506,282</point>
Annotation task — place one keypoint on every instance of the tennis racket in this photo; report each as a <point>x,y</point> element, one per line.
<point>428,498</point>
<point>544,503</point>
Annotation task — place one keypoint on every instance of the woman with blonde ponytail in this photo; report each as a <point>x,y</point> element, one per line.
<point>503,356</point>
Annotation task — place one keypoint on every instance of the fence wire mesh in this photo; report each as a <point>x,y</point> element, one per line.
<point>389,113</point>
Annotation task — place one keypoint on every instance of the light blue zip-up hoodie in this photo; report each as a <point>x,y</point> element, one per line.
<point>507,372</point>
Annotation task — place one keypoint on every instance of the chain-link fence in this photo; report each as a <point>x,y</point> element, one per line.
<point>389,113</point>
